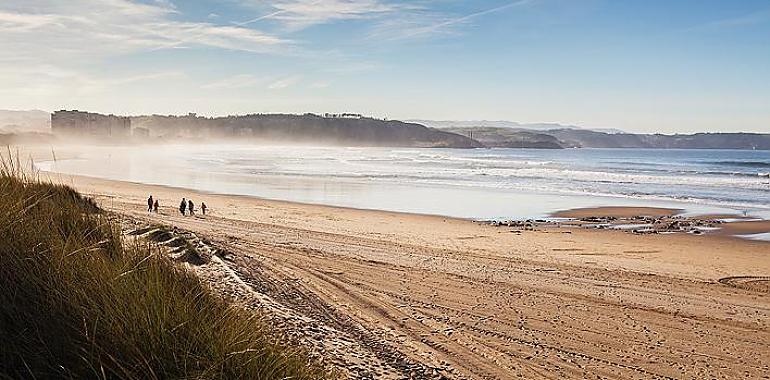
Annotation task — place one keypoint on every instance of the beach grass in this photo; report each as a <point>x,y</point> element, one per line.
<point>76,301</point>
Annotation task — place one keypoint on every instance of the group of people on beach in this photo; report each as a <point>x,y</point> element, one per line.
<point>186,207</point>
<point>152,205</point>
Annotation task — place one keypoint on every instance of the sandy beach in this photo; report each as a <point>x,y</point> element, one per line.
<point>391,295</point>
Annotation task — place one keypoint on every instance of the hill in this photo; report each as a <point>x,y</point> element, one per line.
<point>355,130</point>
<point>509,138</point>
<point>24,121</point>
<point>592,139</point>
<point>449,124</point>
<point>352,130</point>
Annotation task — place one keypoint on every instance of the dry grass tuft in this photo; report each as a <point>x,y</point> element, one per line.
<point>76,303</point>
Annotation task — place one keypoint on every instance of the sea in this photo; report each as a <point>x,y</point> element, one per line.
<point>477,184</point>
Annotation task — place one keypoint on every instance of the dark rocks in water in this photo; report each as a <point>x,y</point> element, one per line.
<point>513,223</point>
<point>635,225</point>
<point>598,219</point>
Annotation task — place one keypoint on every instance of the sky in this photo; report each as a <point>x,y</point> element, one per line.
<point>640,66</point>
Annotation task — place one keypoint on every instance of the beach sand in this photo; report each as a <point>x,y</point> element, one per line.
<point>402,295</point>
<point>747,227</point>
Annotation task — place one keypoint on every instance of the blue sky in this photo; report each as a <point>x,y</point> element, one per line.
<point>646,66</point>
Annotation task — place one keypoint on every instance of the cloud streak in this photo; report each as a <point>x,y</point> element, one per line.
<point>234,82</point>
<point>121,27</point>
<point>46,44</point>
<point>47,80</point>
<point>284,82</point>
<point>753,18</point>
<point>300,14</point>
<point>427,25</point>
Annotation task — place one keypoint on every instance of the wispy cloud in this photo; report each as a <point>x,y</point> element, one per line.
<point>389,19</point>
<point>424,24</point>
<point>320,84</point>
<point>18,22</point>
<point>44,79</point>
<point>284,82</point>
<point>753,18</point>
<point>46,45</point>
<point>45,28</point>
<point>236,81</point>
<point>746,20</point>
<point>138,78</point>
<point>298,14</point>
<point>351,66</point>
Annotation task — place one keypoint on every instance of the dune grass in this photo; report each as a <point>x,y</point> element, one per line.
<point>75,302</point>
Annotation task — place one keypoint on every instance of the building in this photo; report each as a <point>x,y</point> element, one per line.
<point>77,123</point>
<point>343,116</point>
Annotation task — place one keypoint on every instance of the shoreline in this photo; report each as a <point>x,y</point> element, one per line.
<point>120,195</point>
<point>736,225</point>
<point>474,201</point>
<point>616,212</point>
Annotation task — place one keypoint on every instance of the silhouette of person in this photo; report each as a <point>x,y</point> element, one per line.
<point>191,207</point>
<point>155,206</point>
<point>182,206</point>
<point>149,203</point>
<point>203,207</point>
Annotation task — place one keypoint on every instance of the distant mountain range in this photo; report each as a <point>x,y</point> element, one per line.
<point>356,130</point>
<point>448,124</point>
<point>24,121</point>
<point>492,137</point>
<point>571,138</point>
<point>553,136</point>
<point>580,138</point>
<point>344,129</point>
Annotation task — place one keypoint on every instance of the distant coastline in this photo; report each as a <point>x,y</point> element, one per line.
<point>350,129</point>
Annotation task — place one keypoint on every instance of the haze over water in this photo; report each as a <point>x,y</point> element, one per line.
<point>478,183</point>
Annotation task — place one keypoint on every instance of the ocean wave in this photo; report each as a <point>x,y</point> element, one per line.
<point>736,179</point>
<point>745,164</point>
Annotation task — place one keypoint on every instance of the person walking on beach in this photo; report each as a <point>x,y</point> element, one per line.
<point>191,207</point>
<point>183,206</point>
<point>155,206</point>
<point>149,204</point>
<point>203,207</point>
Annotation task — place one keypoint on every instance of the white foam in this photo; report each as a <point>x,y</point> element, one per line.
<point>762,236</point>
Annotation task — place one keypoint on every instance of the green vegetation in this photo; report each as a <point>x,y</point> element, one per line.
<point>494,137</point>
<point>75,302</point>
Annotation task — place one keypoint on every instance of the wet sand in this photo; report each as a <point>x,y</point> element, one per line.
<point>746,227</point>
<point>399,295</point>
<point>616,212</point>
